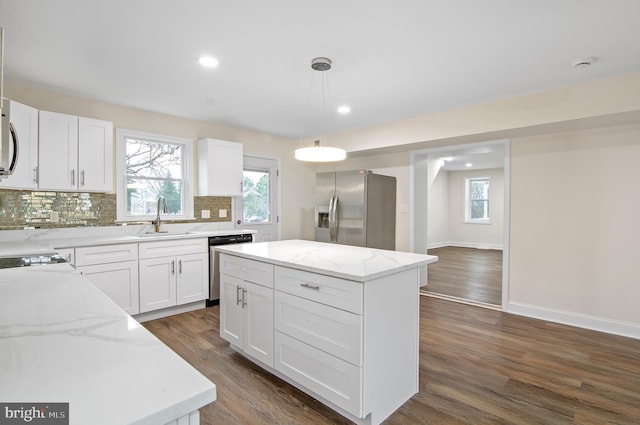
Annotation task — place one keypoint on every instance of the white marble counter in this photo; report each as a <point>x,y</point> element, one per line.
<point>37,241</point>
<point>343,261</point>
<point>62,340</point>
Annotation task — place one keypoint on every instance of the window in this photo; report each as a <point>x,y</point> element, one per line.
<point>256,200</point>
<point>477,200</point>
<point>149,166</point>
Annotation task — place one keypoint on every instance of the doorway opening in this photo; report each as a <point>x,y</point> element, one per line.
<point>259,206</point>
<point>460,198</point>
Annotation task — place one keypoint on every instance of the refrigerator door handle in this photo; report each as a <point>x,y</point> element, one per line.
<point>335,219</point>
<point>331,218</point>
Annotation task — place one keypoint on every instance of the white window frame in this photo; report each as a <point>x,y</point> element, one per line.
<point>121,169</point>
<point>467,202</point>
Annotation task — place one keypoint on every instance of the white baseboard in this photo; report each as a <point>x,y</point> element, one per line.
<point>170,311</point>
<point>631,330</point>
<point>476,245</point>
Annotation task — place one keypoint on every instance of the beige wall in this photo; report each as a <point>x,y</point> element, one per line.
<point>570,148</point>
<point>589,104</point>
<point>575,206</point>
<point>487,236</point>
<point>438,204</point>
<point>296,177</point>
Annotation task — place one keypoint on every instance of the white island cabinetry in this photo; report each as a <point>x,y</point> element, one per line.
<point>246,306</point>
<point>346,321</point>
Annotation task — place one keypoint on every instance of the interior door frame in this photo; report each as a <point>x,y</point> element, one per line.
<point>237,210</point>
<point>419,202</point>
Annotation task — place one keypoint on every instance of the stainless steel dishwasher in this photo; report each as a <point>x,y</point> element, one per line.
<point>214,268</point>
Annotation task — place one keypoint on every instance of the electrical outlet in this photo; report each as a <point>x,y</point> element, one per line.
<point>54,217</point>
<point>205,213</point>
<point>222,213</point>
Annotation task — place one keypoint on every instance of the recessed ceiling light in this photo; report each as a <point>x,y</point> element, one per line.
<point>208,61</point>
<point>344,109</point>
<point>468,164</point>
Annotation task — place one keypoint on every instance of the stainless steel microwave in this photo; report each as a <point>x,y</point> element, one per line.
<point>8,136</point>
<point>8,143</point>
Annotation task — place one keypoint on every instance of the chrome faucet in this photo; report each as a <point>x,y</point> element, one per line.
<point>165,210</point>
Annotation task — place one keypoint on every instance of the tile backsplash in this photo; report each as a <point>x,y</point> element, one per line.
<point>24,208</point>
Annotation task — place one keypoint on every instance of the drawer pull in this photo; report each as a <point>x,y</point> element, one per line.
<point>306,285</point>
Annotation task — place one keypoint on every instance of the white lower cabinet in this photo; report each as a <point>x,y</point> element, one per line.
<point>114,270</point>
<point>246,307</point>
<point>170,280</point>
<point>119,281</point>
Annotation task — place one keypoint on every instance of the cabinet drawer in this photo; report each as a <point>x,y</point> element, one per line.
<point>336,380</point>
<point>90,255</point>
<point>245,269</point>
<point>335,331</point>
<point>340,293</point>
<point>173,247</point>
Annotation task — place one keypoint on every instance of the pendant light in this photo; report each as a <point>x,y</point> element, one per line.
<point>318,153</point>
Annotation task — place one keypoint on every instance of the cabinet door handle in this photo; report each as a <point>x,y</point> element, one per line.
<point>173,266</point>
<point>180,266</point>
<point>35,175</point>
<point>238,288</point>
<point>73,177</point>
<point>306,285</point>
<point>82,178</point>
<point>244,302</point>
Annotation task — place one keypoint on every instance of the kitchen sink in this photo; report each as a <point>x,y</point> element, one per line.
<point>166,233</point>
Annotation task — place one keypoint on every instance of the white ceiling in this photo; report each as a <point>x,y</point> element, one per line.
<point>471,157</point>
<point>392,59</point>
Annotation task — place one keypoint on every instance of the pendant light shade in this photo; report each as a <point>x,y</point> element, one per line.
<point>318,153</point>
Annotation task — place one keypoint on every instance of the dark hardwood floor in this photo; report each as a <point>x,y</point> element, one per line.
<point>467,273</point>
<point>477,366</point>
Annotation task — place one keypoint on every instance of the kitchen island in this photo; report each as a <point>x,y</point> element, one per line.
<point>64,341</point>
<point>339,322</point>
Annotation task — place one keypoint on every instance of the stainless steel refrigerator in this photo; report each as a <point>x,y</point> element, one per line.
<point>356,208</point>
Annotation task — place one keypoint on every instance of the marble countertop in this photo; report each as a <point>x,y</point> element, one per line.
<point>62,340</point>
<point>45,242</point>
<point>342,261</point>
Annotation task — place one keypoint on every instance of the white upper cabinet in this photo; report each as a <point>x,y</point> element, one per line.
<point>58,152</point>
<point>95,155</point>
<point>75,153</point>
<point>219,168</point>
<point>25,122</point>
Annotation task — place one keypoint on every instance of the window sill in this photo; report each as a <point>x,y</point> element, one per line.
<point>477,222</point>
